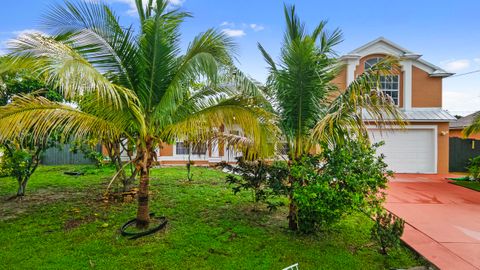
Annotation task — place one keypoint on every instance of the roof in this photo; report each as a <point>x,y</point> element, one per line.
<point>464,121</point>
<point>383,45</point>
<point>421,115</point>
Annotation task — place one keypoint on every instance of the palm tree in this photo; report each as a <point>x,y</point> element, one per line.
<point>311,108</point>
<point>474,127</point>
<point>134,86</point>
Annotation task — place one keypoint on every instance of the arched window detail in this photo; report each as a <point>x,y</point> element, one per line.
<point>389,84</point>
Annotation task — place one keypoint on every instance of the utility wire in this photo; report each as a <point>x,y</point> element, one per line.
<point>466,73</point>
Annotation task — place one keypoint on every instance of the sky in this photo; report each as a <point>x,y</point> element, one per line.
<point>446,33</point>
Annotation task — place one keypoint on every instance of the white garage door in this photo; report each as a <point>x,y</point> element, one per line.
<point>408,150</point>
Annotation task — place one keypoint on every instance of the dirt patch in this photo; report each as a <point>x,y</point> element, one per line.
<point>12,208</point>
<point>76,222</point>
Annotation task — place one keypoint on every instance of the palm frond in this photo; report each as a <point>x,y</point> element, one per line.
<point>39,117</point>
<point>257,124</point>
<point>473,128</point>
<point>343,118</point>
<point>65,69</point>
<point>93,30</point>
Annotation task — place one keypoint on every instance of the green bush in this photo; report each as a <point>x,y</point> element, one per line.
<point>474,168</point>
<point>336,182</point>
<point>266,181</point>
<point>387,230</point>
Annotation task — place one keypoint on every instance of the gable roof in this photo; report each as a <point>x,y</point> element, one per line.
<point>383,45</point>
<point>464,121</point>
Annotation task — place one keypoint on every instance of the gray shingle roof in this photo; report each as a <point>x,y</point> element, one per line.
<point>464,121</point>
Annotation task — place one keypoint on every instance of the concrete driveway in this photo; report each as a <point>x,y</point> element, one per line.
<point>442,219</point>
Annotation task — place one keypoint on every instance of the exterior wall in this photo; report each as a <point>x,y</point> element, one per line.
<point>166,149</point>
<point>360,68</point>
<point>341,79</point>
<point>426,90</point>
<point>457,133</point>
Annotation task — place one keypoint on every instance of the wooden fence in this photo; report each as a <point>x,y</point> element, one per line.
<point>461,151</point>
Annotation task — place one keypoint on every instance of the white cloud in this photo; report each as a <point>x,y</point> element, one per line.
<point>256,27</point>
<point>456,65</point>
<point>476,60</point>
<point>234,32</point>
<point>228,24</point>
<point>27,31</point>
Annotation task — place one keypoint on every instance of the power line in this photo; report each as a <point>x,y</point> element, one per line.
<point>466,73</point>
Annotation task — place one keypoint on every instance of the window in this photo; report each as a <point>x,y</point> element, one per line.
<point>181,149</point>
<point>199,149</point>
<point>389,84</point>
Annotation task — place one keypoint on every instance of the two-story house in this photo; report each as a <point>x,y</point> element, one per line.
<point>422,147</point>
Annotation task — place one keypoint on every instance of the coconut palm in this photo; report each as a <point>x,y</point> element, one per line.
<point>311,108</point>
<point>134,86</point>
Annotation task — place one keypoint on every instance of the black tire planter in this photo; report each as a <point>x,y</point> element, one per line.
<point>135,235</point>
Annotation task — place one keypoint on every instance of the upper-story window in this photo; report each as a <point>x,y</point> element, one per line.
<point>389,84</point>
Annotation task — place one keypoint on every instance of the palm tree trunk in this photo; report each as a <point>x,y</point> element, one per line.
<point>143,212</point>
<point>144,163</point>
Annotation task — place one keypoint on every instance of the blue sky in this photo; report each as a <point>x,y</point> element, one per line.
<point>445,32</point>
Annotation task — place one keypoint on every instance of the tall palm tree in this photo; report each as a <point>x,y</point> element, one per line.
<point>311,107</point>
<point>135,86</point>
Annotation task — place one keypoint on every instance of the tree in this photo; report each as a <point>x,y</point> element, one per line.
<point>134,86</point>
<point>311,107</point>
<point>22,154</point>
<point>21,159</point>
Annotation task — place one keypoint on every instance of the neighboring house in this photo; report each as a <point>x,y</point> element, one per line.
<point>462,149</point>
<point>422,147</point>
<point>457,126</point>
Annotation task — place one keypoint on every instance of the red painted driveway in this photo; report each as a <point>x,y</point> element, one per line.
<point>442,220</point>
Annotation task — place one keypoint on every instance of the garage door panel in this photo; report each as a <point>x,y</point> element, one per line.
<point>407,151</point>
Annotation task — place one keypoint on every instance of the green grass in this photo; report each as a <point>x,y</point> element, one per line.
<point>64,224</point>
<point>468,184</point>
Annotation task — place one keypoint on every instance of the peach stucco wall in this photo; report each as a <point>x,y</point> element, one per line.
<point>426,90</point>
<point>457,133</point>
<point>341,79</point>
<point>166,149</point>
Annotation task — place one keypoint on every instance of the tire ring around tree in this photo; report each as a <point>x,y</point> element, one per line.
<point>135,235</point>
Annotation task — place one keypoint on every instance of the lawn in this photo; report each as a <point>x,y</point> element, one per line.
<point>468,184</point>
<point>63,223</point>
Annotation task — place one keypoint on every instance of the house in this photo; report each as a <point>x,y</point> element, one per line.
<point>462,149</point>
<point>458,125</point>
<point>422,147</point>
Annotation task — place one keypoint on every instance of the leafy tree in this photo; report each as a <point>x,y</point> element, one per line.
<point>21,154</point>
<point>266,181</point>
<point>133,84</point>
<point>21,158</point>
<point>342,179</point>
<point>312,109</point>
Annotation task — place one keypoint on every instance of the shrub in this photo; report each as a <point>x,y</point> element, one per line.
<point>387,230</point>
<point>474,168</point>
<point>266,181</point>
<point>339,180</point>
